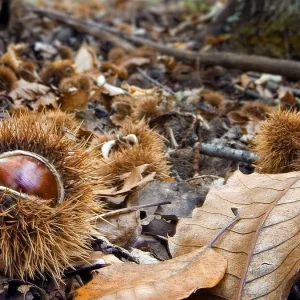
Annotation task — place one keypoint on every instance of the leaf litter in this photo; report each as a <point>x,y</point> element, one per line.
<point>186,215</point>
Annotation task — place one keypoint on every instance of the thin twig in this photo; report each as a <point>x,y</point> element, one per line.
<point>127,210</point>
<point>203,176</point>
<point>104,245</point>
<point>172,137</point>
<point>155,82</point>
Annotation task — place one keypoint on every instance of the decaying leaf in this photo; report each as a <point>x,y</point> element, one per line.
<point>168,280</point>
<point>182,197</point>
<point>121,229</point>
<point>28,90</point>
<point>262,248</point>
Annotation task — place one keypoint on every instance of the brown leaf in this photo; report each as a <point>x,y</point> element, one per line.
<point>288,98</point>
<point>262,248</point>
<point>132,180</point>
<point>168,280</point>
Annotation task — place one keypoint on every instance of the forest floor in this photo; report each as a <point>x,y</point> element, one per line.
<point>205,118</point>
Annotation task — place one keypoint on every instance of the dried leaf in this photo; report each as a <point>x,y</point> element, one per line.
<point>262,248</point>
<point>108,88</point>
<point>168,280</point>
<point>288,98</point>
<point>28,90</point>
<point>86,59</point>
<point>121,229</point>
<point>245,80</point>
<point>133,180</point>
<point>48,100</point>
<point>181,196</point>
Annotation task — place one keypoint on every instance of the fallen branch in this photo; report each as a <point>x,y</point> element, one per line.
<point>85,27</point>
<point>287,68</point>
<point>227,152</point>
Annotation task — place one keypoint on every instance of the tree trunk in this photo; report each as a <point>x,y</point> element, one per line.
<point>268,27</point>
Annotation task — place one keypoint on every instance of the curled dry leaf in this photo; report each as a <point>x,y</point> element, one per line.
<point>168,280</point>
<point>108,88</point>
<point>262,248</point>
<point>132,180</point>
<point>86,59</point>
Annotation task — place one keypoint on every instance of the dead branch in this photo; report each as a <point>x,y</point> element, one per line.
<point>85,27</point>
<point>227,152</point>
<point>286,68</point>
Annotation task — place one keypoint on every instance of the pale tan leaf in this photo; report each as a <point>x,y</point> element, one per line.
<point>46,101</point>
<point>245,80</point>
<point>262,248</point>
<point>86,59</point>
<point>107,88</point>
<point>169,280</point>
<point>28,90</point>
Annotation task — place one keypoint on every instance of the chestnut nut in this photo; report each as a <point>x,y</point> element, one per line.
<point>31,175</point>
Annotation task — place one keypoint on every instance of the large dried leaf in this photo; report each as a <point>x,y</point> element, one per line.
<point>262,248</point>
<point>168,280</point>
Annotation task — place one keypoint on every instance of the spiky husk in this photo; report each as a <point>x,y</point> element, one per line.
<point>39,236</point>
<point>147,109</point>
<point>65,52</point>
<point>150,150</point>
<point>8,79</point>
<point>56,71</point>
<point>278,142</point>
<point>213,98</point>
<point>256,110</point>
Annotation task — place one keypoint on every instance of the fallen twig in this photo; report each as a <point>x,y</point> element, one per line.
<point>127,210</point>
<point>287,68</point>
<point>85,27</point>
<point>172,137</point>
<point>102,244</point>
<point>155,82</point>
<point>227,152</point>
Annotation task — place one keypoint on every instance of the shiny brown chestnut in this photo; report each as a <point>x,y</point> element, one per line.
<point>30,174</point>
